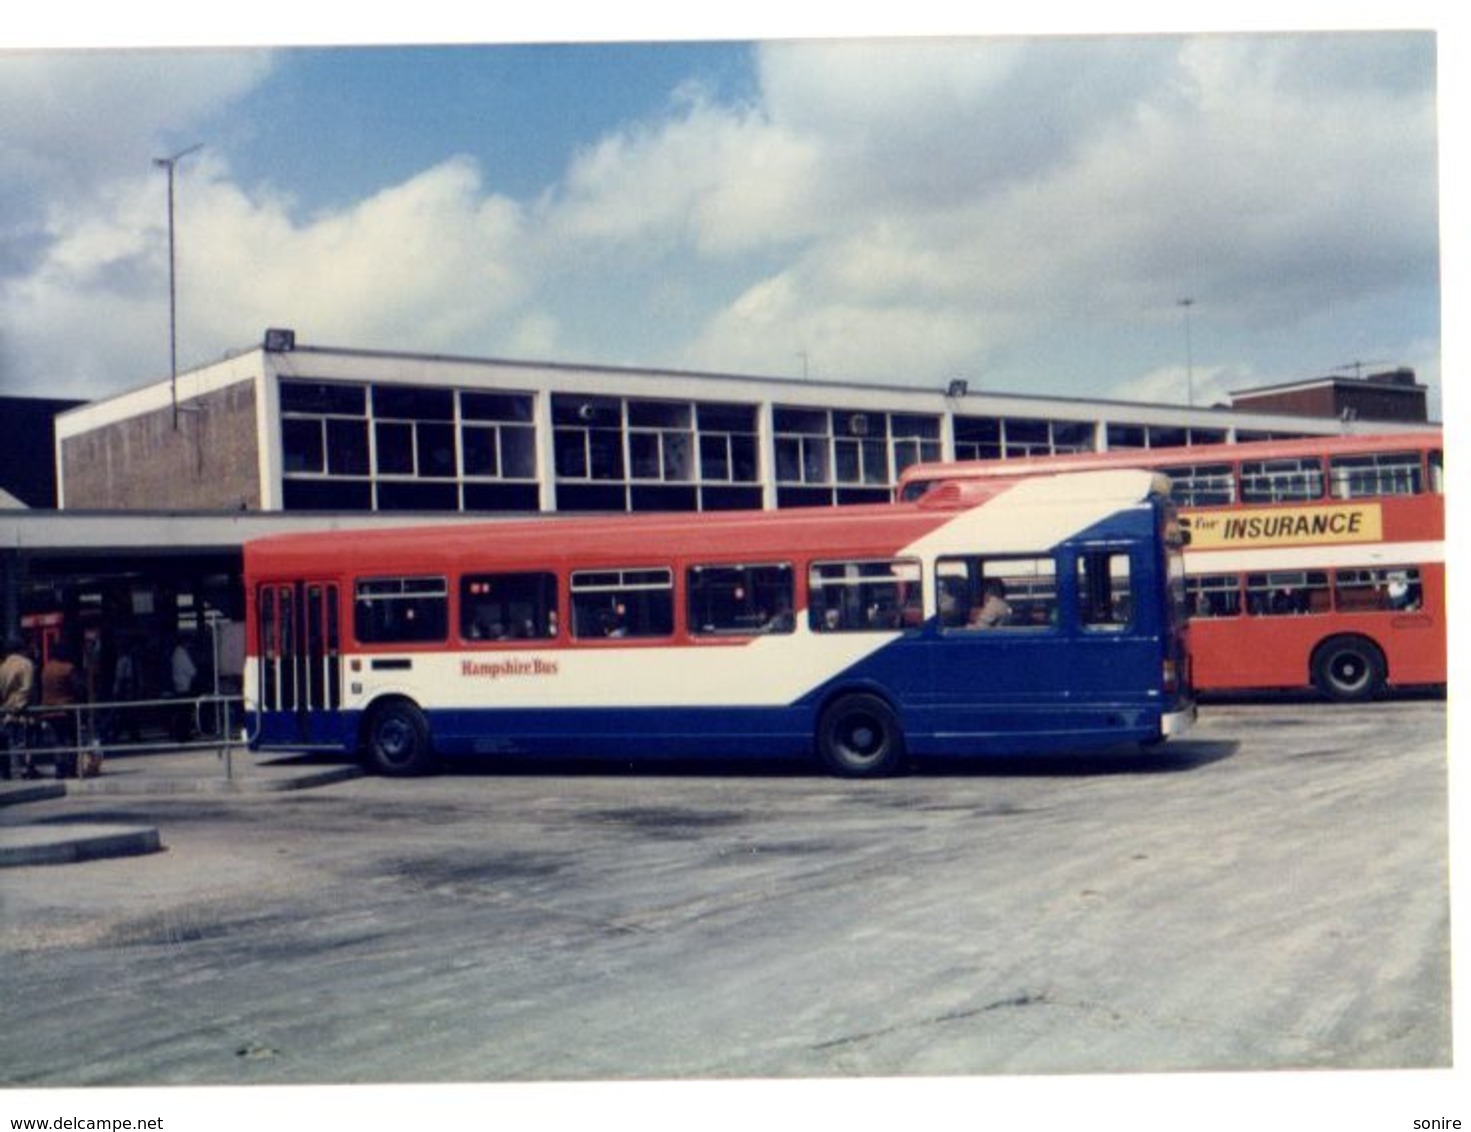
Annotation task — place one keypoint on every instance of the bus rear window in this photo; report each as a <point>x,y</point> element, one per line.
<point>401,610</point>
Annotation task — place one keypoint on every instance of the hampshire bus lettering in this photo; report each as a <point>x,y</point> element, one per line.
<point>495,670</point>
<point>1034,615</point>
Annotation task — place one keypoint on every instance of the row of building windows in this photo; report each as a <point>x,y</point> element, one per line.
<point>392,447</point>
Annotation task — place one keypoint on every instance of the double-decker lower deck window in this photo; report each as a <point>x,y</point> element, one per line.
<point>401,610</point>
<point>1214,595</point>
<point>847,597</point>
<point>508,607</point>
<point>740,599</point>
<point>1286,593</point>
<point>997,593</point>
<point>623,603</point>
<point>1393,589</point>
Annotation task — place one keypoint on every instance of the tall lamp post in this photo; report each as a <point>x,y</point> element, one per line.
<point>167,164</point>
<point>1189,354</point>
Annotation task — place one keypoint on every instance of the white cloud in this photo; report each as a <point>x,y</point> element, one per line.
<point>887,210</point>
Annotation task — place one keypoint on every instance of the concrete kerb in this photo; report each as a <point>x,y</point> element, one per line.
<point>152,773</point>
<point>66,844</point>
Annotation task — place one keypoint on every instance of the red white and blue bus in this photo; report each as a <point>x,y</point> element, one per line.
<point>844,631</point>
<point>1314,563</point>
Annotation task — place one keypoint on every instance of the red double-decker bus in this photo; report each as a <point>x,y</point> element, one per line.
<point>1313,563</point>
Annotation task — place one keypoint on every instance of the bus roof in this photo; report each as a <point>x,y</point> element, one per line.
<point>867,529</point>
<point>1173,457</point>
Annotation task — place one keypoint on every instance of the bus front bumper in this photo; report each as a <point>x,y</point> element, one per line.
<point>1175,723</point>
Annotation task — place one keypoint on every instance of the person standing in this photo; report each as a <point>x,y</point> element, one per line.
<point>17,689</point>
<point>60,692</point>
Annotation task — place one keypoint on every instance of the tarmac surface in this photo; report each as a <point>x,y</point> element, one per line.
<point>1269,893</point>
<point>146,773</point>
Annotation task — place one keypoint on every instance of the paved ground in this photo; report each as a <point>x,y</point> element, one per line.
<point>1270,893</point>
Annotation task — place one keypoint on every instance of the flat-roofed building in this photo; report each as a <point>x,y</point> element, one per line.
<point>290,427</point>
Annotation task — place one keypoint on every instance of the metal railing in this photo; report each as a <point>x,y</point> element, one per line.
<point>65,733</point>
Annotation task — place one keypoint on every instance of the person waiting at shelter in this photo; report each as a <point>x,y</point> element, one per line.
<point>994,608</point>
<point>61,690</point>
<point>17,691</point>
<point>182,675</point>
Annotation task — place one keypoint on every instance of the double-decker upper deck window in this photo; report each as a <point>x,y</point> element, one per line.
<point>1202,485</point>
<point>623,603</point>
<point>1381,473</point>
<point>740,599</point>
<point>1288,480</point>
<point>847,597</point>
<point>401,610</point>
<point>508,607</point>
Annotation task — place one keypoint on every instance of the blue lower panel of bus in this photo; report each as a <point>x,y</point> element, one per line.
<point>997,729</point>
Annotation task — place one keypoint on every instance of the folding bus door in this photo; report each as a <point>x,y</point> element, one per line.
<point>300,667</point>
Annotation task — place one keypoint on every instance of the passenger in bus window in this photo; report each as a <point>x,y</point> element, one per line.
<point>1403,594</point>
<point>994,608</point>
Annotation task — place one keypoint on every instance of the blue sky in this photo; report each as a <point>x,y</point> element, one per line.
<point>1026,211</point>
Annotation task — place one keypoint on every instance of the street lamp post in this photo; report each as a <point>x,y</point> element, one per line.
<point>167,164</point>
<point>1189,354</point>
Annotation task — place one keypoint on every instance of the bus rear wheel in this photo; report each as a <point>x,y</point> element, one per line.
<point>1348,668</point>
<point>860,737</point>
<point>397,741</point>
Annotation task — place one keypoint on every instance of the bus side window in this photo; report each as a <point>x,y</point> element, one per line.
<point>1394,589</point>
<point>401,610</point>
<point>1214,595</point>
<point>1287,593</point>
<point>507,607</point>
<point>740,599</point>
<point>863,596</point>
<point>997,593</point>
<point>623,603</point>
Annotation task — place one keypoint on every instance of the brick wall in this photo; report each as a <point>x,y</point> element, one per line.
<point>210,462</point>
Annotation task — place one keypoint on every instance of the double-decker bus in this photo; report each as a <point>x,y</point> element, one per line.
<point>1315,563</point>
<point>841,631</point>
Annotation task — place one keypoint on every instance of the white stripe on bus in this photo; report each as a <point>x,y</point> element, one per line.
<point>1336,556</point>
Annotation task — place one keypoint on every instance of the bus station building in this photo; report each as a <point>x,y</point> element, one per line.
<point>158,488</point>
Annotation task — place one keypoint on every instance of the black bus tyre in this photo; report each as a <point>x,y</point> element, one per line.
<point>1348,668</point>
<point>860,736</point>
<point>397,741</point>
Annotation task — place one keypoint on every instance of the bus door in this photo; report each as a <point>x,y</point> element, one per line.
<point>300,669</point>
<point>999,666</point>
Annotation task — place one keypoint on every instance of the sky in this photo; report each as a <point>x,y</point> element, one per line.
<point>1028,210</point>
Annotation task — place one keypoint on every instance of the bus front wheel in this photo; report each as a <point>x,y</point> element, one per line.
<point>860,737</point>
<point>398,742</point>
<point>1348,668</point>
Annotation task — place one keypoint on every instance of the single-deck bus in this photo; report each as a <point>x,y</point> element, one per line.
<point>1313,563</point>
<point>844,631</point>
